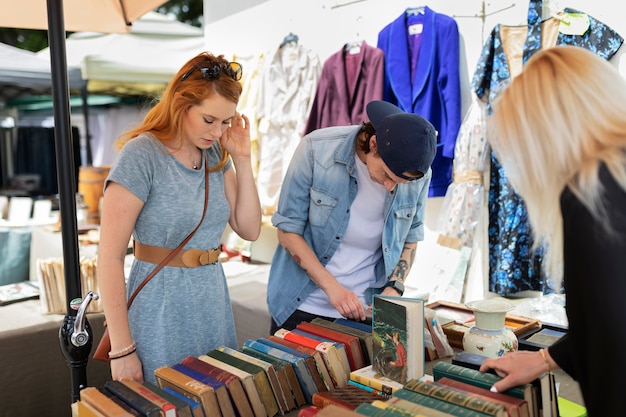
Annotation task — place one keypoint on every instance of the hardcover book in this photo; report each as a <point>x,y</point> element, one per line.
<point>437,404</point>
<point>348,397</point>
<point>286,376</point>
<point>247,380</point>
<point>486,380</point>
<point>169,409</point>
<point>376,409</point>
<point>328,352</point>
<point>340,347</point>
<point>369,389</point>
<point>516,407</point>
<point>168,377</point>
<point>221,392</point>
<point>232,382</point>
<point>182,407</point>
<point>133,399</point>
<point>259,376</point>
<point>85,409</point>
<point>194,406</point>
<point>398,337</point>
<point>260,370</point>
<point>366,326</point>
<point>312,359</point>
<point>457,397</point>
<point>365,337</point>
<point>409,409</point>
<point>270,372</point>
<point>102,403</point>
<point>335,411</point>
<point>369,377</point>
<point>352,343</point>
<point>119,401</point>
<point>296,358</point>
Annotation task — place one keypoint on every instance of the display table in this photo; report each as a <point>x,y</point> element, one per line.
<point>34,377</point>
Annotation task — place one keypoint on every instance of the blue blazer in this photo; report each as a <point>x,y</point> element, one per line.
<point>434,91</point>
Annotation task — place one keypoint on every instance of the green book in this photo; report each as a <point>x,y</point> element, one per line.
<point>456,397</point>
<point>485,380</point>
<point>259,377</point>
<point>437,404</point>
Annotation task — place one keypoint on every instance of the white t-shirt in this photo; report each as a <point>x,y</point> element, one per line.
<point>354,260</point>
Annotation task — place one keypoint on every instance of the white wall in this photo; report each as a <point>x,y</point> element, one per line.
<point>326,25</point>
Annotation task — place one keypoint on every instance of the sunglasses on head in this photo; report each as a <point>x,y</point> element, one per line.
<point>213,71</point>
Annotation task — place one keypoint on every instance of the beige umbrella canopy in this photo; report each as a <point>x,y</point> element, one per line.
<point>57,16</point>
<point>106,16</point>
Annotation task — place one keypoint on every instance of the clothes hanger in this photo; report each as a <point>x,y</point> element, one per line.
<point>414,11</point>
<point>290,38</point>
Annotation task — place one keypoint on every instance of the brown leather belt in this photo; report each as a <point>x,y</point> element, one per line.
<point>186,258</point>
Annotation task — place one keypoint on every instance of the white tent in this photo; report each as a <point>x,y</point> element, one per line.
<point>24,73</point>
<point>140,62</point>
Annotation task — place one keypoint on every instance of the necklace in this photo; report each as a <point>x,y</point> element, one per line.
<point>193,164</point>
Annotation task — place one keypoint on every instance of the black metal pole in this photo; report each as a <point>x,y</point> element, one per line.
<point>76,357</point>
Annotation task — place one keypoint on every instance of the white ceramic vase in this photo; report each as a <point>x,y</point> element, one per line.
<point>489,336</point>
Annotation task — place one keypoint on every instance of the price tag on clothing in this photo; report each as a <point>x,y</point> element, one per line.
<point>416,29</point>
<point>574,24</point>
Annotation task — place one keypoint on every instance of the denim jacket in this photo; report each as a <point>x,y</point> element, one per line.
<point>316,194</point>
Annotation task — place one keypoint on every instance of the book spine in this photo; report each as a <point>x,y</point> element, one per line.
<point>472,376</point>
<point>459,398</point>
<point>369,389</point>
<point>373,383</point>
<point>133,399</point>
<point>168,408</point>
<point>322,399</point>
<point>437,404</point>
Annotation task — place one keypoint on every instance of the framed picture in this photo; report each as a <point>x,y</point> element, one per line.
<point>542,337</point>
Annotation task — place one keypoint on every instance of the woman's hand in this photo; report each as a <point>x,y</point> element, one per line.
<point>346,303</point>
<point>128,366</point>
<point>517,368</point>
<point>236,139</point>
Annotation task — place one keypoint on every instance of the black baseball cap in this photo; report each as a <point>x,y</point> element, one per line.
<point>406,141</point>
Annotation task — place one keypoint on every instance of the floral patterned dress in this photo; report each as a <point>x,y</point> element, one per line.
<point>513,267</point>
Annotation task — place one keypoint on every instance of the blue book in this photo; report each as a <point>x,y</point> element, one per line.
<point>196,407</point>
<point>361,325</point>
<point>296,358</point>
<point>221,391</point>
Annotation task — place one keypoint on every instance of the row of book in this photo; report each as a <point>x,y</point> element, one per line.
<point>452,390</point>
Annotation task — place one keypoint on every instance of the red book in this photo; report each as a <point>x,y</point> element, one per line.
<point>352,343</point>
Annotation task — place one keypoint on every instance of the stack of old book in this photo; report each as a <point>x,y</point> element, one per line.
<point>454,391</point>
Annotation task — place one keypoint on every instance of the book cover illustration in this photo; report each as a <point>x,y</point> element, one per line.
<point>398,339</point>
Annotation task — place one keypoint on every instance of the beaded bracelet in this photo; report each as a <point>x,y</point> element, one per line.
<point>122,352</point>
<point>545,359</point>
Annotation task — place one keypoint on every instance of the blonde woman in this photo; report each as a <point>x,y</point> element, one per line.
<point>560,133</point>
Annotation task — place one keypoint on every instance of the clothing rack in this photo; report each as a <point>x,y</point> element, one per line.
<point>482,15</point>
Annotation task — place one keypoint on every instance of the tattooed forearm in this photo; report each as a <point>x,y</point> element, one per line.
<point>404,264</point>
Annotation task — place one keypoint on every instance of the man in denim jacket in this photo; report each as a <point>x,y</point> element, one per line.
<point>349,216</point>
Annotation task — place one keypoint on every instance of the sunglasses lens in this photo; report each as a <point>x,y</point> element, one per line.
<point>234,70</point>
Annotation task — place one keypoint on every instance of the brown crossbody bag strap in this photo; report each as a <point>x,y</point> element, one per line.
<point>183,243</point>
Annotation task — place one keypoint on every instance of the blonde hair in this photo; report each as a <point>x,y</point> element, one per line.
<point>164,120</point>
<point>553,127</point>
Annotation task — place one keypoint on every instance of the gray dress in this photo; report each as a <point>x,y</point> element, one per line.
<point>181,311</point>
